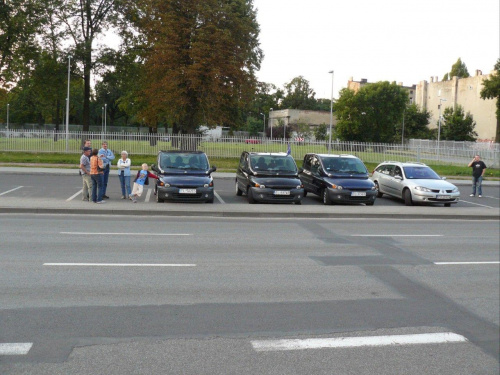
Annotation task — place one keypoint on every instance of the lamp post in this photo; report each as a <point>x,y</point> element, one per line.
<point>67,106</point>
<point>439,125</point>
<point>8,105</point>
<point>102,120</point>
<point>263,114</point>
<point>331,117</point>
<point>105,114</point>
<point>270,123</point>
<point>403,132</point>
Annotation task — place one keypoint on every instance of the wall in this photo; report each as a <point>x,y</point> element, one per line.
<point>297,116</point>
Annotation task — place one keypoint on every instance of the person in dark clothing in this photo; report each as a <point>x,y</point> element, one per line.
<point>478,168</point>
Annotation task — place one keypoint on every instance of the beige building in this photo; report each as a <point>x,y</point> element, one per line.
<point>297,116</point>
<point>464,92</point>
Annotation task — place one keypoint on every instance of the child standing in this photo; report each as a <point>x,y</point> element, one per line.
<point>141,179</point>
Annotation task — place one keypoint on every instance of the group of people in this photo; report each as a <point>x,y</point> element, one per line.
<point>95,165</point>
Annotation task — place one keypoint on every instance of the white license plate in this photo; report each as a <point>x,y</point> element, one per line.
<point>187,191</point>
<point>281,192</point>
<point>358,194</point>
<point>443,197</point>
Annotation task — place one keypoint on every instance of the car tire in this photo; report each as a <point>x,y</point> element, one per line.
<point>251,200</point>
<point>407,197</point>
<point>326,197</point>
<point>211,200</point>
<point>370,203</point>
<point>239,193</point>
<point>447,204</point>
<point>298,203</point>
<point>379,194</point>
<point>158,199</point>
<point>305,193</point>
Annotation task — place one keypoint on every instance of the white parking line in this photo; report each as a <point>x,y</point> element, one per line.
<point>148,196</point>
<point>125,234</point>
<point>11,190</point>
<point>463,263</point>
<point>74,196</point>
<point>477,204</point>
<point>396,235</point>
<point>353,342</point>
<point>118,265</point>
<point>17,348</point>
<point>219,198</point>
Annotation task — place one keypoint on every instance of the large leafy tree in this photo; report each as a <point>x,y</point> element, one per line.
<point>491,90</point>
<point>371,114</point>
<point>416,123</point>
<point>457,125</point>
<point>200,61</point>
<point>299,95</point>
<point>459,69</point>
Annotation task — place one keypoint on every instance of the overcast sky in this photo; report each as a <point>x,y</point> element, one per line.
<point>382,40</point>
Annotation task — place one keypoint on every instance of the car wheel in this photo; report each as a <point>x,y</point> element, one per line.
<point>251,200</point>
<point>407,197</point>
<point>379,194</point>
<point>239,193</point>
<point>326,197</point>
<point>305,193</point>
<point>370,203</point>
<point>447,204</point>
<point>211,200</point>
<point>298,203</point>
<point>158,199</point>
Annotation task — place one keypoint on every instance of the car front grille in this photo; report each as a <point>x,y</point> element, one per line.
<point>186,196</point>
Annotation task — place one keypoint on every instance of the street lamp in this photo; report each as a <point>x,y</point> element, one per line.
<point>102,120</point>
<point>8,105</point>
<point>105,114</point>
<point>403,132</point>
<point>67,106</point>
<point>439,125</point>
<point>263,114</point>
<point>331,116</point>
<point>270,123</point>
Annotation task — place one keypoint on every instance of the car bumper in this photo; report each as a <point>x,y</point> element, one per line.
<point>271,195</point>
<point>349,196</point>
<point>202,194</point>
<point>425,197</point>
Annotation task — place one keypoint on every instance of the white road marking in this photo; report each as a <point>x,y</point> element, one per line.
<point>74,196</point>
<point>118,265</point>
<point>17,348</point>
<point>463,263</point>
<point>353,342</point>
<point>11,190</point>
<point>148,196</point>
<point>477,204</point>
<point>487,196</point>
<point>219,198</point>
<point>126,234</point>
<point>396,235</point>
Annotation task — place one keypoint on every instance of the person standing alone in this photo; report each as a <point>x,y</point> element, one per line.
<point>478,168</point>
<point>124,174</point>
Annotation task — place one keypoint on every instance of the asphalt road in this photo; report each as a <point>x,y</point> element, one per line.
<point>66,188</point>
<point>145,295</point>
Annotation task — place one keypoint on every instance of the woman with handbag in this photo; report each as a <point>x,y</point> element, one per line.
<point>97,174</point>
<point>124,174</point>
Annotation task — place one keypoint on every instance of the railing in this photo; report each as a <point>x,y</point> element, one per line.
<point>232,147</point>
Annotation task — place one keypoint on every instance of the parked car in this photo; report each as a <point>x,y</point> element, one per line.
<point>337,179</point>
<point>414,183</point>
<point>184,176</point>
<point>268,177</point>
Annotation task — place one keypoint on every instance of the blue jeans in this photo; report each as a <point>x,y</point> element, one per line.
<point>97,191</point>
<point>125,184</point>
<point>477,181</point>
<point>105,180</point>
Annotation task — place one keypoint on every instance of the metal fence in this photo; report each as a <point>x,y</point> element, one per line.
<point>456,153</point>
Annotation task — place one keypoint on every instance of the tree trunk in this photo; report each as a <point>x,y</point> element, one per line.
<point>87,63</point>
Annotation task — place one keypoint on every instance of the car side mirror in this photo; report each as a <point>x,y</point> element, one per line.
<point>443,178</point>
<point>301,170</point>
<point>398,177</point>
<point>213,169</point>
<point>155,168</point>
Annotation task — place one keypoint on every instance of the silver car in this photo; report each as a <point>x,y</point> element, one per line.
<point>414,183</point>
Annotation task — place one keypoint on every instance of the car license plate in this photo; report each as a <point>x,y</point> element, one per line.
<point>187,191</point>
<point>281,192</point>
<point>443,197</point>
<point>358,194</point>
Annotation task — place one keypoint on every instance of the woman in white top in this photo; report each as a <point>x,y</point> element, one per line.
<point>124,174</point>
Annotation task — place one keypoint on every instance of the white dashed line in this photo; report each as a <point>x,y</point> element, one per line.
<point>124,234</point>
<point>74,196</point>
<point>463,263</point>
<point>17,348</point>
<point>117,265</point>
<point>396,235</point>
<point>353,342</point>
<point>11,190</point>
<point>219,198</point>
<point>477,204</point>
<point>148,196</point>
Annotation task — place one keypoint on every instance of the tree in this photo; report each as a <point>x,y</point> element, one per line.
<point>372,113</point>
<point>458,126</point>
<point>201,61</point>
<point>491,90</point>
<point>416,123</point>
<point>299,95</point>
<point>321,133</point>
<point>303,130</point>
<point>459,69</point>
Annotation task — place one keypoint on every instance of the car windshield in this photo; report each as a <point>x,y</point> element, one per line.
<point>184,161</point>
<point>272,163</point>
<point>343,165</point>
<point>418,173</point>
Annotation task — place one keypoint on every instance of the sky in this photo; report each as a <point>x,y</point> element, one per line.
<point>405,41</point>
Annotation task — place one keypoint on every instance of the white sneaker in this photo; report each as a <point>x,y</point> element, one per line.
<point>472,195</point>
<point>100,202</point>
<point>479,196</point>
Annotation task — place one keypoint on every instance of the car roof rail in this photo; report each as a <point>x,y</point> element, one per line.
<point>416,162</point>
<point>390,161</point>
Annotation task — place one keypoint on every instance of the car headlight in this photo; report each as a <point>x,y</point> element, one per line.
<point>338,187</point>
<point>256,184</point>
<point>455,190</point>
<point>206,185</point>
<point>374,187</point>
<point>421,188</point>
<point>163,183</point>
<point>300,186</point>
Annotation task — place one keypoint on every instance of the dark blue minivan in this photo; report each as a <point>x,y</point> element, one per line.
<point>337,179</point>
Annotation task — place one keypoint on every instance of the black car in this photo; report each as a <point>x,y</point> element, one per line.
<point>337,179</point>
<point>184,176</point>
<point>268,177</point>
